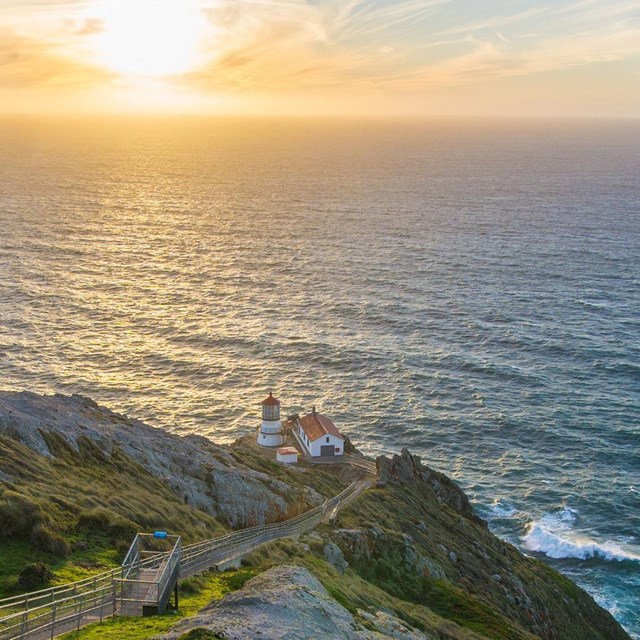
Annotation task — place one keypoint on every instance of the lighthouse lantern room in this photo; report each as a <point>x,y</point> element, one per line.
<point>270,433</point>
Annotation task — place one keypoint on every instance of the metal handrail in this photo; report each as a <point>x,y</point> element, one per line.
<point>106,588</point>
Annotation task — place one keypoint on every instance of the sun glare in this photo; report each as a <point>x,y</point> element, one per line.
<point>150,37</point>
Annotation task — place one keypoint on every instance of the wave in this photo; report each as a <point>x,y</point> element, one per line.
<point>502,509</point>
<point>552,536</point>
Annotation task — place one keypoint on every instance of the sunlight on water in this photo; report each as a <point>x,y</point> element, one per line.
<point>468,290</point>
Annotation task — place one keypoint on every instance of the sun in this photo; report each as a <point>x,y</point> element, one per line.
<point>150,37</point>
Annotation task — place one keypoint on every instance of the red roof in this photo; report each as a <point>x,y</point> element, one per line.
<point>316,426</point>
<point>285,451</point>
<point>271,400</point>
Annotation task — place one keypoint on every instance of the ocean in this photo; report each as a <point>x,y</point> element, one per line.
<point>468,289</point>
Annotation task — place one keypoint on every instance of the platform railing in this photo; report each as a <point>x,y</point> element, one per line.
<point>50,612</point>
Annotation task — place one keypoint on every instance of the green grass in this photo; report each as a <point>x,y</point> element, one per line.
<point>93,503</point>
<point>196,593</point>
<point>99,556</point>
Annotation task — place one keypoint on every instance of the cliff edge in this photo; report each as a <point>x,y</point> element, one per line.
<point>408,559</point>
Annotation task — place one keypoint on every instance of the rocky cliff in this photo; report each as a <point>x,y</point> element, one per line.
<point>205,475</point>
<point>408,559</point>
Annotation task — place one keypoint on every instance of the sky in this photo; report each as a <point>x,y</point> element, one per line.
<point>566,58</point>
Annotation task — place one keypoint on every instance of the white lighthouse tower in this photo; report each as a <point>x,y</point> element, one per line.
<point>270,433</point>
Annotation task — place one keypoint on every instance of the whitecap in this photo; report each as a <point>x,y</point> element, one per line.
<point>552,536</point>
<point>502,509</point>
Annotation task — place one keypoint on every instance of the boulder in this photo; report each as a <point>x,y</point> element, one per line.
<point>288,603</point>
<point>335,557</point>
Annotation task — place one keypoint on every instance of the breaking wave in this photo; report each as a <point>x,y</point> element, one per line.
<point>552,536</point>
<point>502,509</point>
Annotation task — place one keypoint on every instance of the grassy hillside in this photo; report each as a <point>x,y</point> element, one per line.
<point>78,512</point>
<point>196,593</point>
<point>412,544</point>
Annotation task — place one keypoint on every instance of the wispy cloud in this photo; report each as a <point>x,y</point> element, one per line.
<point>392,46</point>
<point>27,62</point>
<point>360,42</point>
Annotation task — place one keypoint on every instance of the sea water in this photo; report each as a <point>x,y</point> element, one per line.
<point>468,289</point>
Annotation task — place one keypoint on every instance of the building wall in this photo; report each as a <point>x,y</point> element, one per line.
<point>314,447</point>
<point>287,458</point>
<point>271,426</point>
<point>270,439</point>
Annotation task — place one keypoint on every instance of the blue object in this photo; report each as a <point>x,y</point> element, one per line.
<point>159,534</point>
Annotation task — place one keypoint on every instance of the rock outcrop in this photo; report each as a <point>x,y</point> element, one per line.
<point>289,603</point>
<point>202,473</point>
<point>359,546</point>
<point>408,469</point>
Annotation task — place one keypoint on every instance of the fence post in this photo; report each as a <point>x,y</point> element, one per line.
<point>113,593</point>
<point>79,612</point>
<point>53,620</point>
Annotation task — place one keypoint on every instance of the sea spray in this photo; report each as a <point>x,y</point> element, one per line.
<point>553,535</point>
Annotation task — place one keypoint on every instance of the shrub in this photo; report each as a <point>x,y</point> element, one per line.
<point>236,580</point>
<point>202,634</point>
<point>111,524</point>
<point>34,576</point>
<point>94,520</point>
<point>18,515</point>
<point>44,539</point>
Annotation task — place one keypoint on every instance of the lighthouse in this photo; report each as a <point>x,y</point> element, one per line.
<point>270,433</point>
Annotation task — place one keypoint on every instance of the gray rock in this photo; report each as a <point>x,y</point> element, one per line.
<point>410,555</point>
<point>286,603</point>
<point>198,470</point>
<point>453,557</point>
<point>421,526</point>
<point>497,577</point>
<point>392,627</point>
<point>335,557</point>
<point>408,469</point>
<point>356,543</point>
<point>430,568</point>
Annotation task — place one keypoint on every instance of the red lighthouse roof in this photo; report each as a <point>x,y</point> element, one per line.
<point>270,400</point>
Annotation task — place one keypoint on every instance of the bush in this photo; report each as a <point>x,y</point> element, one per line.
<point>202,634</point>
<point>18,515</point>
<point>111,524</point>
<point>34,576</point>
<point>94,520</point>
<point>44,539</point>
<point>236,580</point>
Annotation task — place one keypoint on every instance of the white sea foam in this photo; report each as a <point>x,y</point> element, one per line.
<point>502,509</point>
<point>552,536</point>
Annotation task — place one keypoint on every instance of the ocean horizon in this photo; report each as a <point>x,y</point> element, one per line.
<point>469,289</point>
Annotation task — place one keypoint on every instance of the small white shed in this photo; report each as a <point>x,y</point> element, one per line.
<point>288,455</point>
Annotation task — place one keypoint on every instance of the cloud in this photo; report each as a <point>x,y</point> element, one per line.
<point>25,62</point>
<point>285,46</point>
<point>293,44</point>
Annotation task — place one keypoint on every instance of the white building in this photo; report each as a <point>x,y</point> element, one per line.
<point>270,432</point>
<point>287,455</point>
<point>319,436</point>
